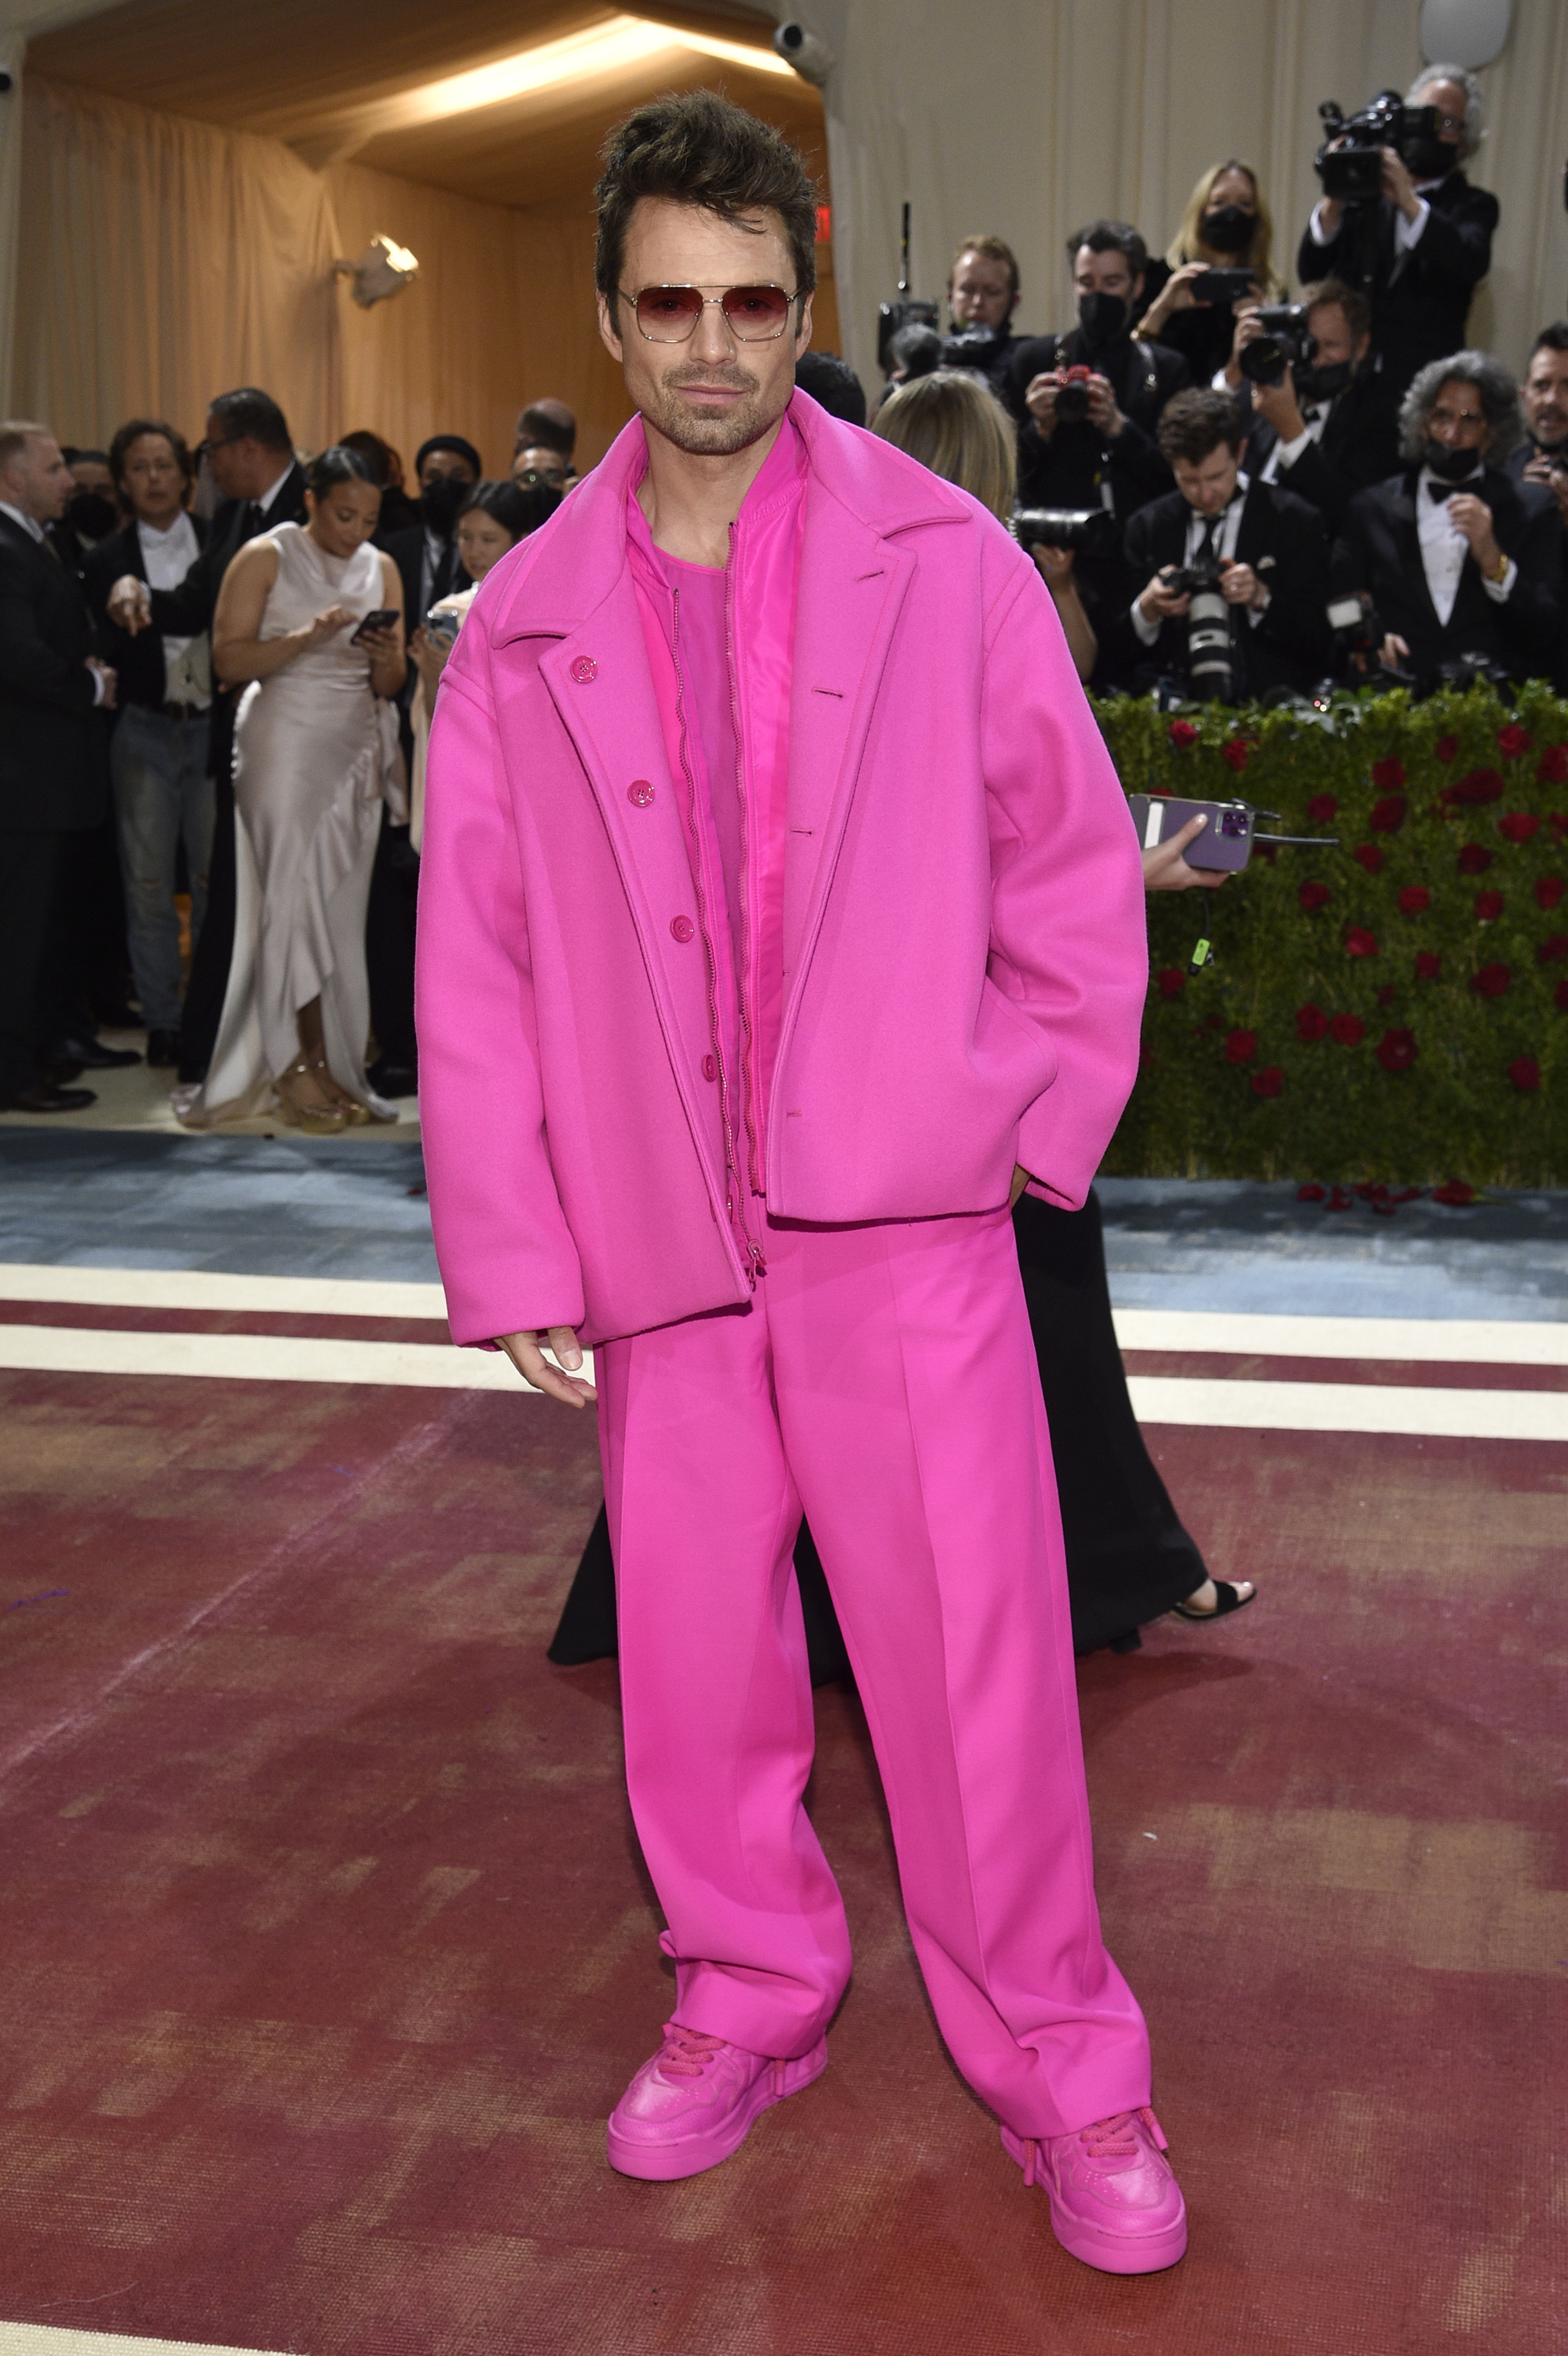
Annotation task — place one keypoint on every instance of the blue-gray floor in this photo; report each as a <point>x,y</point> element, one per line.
<point>263,1207</point>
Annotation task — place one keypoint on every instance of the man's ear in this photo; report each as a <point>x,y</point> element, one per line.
<point>803,337</point>
<point>607,335</point>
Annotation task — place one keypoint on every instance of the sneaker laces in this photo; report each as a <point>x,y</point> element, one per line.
<point>1113,2138</point>
<point>686,2053</point>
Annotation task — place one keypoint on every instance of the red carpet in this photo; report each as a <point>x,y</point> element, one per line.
<point>325,1946</point>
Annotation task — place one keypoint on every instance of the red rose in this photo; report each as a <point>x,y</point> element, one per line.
<point>1557,947</point>
<point>1269,1081</point>
<point>1414,900</point>
<point>1314,896</point>
<point>1183,732</point>
<point>1558,821</point>
<point>1311,1193</point>
<point>1560,998</point>
<point>1241,1047</point>
<point>1474,859</point>
<point>1553,766</point>
<point>1518,826</point>
<point>1525,1074</point>
<point>1369,856</point>
<point>1477,785</point>
<point>1457,1194</point>
<point>1547,891</point>
<point>1346,1030</point>
<point>1491,981</point>
<point>1235,751</point>
<point>1386,994</point>
<point>1311,1023</point>
<point>1322,807</point>
<point>1171,981</point>
<point>1358,942</point>
<point>1444,748</point>
<point>1388,775</point>
<point>1428,964</point>
<point>1488,907</point>
<point>1388,815</point>
<point>1397,1050</point>
<point>1514,740</point>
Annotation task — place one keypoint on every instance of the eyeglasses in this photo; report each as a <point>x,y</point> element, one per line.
<point>753,315</point>
<point>532,476</point>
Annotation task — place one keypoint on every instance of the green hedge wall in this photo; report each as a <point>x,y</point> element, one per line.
<point>1391,1011</point>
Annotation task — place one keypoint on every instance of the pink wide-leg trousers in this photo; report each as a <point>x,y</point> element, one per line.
<point>884,1381</point>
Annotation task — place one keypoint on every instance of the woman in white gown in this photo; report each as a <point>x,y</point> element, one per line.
<point>316,752</point>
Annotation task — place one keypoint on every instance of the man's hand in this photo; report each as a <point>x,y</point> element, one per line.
<point>1166,868</point>
<point>1554,475</point>
<point>111,679</point>
<point>1160,602</point>
<point>1246,328</point>
<point>1020,1180</point>
<point>526,1352</point>
<point>131,605</point>
<point>1040,402</point>
<point>1278,404</point>
<point>1394,652</point>
<point>1472,517</point>
<point>1398,186</point>
<point>1056,564</point>
<point>1103,410</point>
<point>1240,585</point>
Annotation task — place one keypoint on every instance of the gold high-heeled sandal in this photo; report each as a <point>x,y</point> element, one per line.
<point>317,1119</point>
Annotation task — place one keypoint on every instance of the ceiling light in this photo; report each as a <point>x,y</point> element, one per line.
<point>606,50</point>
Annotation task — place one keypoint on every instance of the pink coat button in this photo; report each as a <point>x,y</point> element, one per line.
<point>640,792</point>
<point>711,1068</point>
<point>683,928</point>
<point>584,668</point>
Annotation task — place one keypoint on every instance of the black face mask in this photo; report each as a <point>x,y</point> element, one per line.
<point>1449,466</point>
<point>438,502</point>
<point>1322,383</point>
<point>1228,228</point>
<point>93,515</point>
<point>1102,316</point>
<point>1428,159</point>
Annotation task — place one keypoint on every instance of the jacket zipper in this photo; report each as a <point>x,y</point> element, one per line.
<point>746,978</point>
<point>750,1254</point>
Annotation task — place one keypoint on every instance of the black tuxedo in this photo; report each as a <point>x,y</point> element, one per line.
<point>139,660</point>
<point>53,779</point>
<point>1284,542</point>
<point>1358,447</point>
<point>1379,550</point>
<point>185,613</point>
<point>406,548</point>
<point>1418,311</point>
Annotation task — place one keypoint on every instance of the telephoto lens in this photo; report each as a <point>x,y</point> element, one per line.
<point>1211,666</point>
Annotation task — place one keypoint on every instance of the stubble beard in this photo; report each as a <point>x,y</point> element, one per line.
<point>705,436</point>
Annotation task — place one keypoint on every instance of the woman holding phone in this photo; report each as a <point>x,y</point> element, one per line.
<point>1227,227</point>
<point>309,618</point>
<point>490,522</point>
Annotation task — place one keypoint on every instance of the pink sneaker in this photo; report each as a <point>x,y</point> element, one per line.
<point>1114,2201</point>
<point>694,2103</point>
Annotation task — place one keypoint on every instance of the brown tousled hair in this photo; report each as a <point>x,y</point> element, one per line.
<point>699,148</point>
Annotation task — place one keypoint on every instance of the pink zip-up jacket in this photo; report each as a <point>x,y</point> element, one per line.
<point>963,933</point>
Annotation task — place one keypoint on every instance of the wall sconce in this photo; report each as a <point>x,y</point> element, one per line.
<point>384,268</point>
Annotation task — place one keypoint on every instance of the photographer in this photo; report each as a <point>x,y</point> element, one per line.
<point>1422,252</point>
<point>1455,557</point>
<point>982,295</point>
<point>1260,548</point>
<point>1321,426</point>
<point>1226,226</point>
<point>1543,458</point>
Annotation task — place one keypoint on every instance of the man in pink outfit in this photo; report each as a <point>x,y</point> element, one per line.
<point>781,919</point>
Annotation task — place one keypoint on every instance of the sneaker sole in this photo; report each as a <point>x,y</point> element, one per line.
<point>1108,2253</point>
<point>665,2163</point>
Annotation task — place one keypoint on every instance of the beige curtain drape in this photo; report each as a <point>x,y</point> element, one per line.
<point>162,259</point>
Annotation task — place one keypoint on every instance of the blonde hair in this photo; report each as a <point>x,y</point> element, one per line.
<point>956,425</point>
<point>1188,246</point>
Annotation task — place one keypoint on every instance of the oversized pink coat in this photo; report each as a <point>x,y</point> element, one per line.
<point>963,941</point>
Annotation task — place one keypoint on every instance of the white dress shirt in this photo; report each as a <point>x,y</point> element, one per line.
<point>1444,546</point>
<point>1224,554</point>
<point>265,501</point>
<point>1315,416</point>
<point>1406,233</point>
<point>166,558</point>
<point>35,532</point>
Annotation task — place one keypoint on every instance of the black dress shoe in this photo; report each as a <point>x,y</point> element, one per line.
<point>59,1074</point>
<point>89,1055</point>
<point>43,1096</point>
<point>390,1079</point>
<point>163,1049</point>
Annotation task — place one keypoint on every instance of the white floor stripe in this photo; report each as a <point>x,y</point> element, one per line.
<point>259,1358</point>
<point>1491,1341</point>
<point>1438,1414</point>
<point>201,1287</point>
<point>47,2339</point>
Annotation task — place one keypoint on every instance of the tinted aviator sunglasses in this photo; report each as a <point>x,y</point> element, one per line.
<point>669,315</point>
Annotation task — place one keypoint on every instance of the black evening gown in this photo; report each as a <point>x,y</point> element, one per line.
<point>1128,1556</point>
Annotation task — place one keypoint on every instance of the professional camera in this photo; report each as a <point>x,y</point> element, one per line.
<point>1283,340</point>
<point>1210,665</point>
<point>1072,395</point>
<point>1358,643</point>
<point>1081,528</point>
<point>1471,670</point>
<point>976,348</point>
<point>1355,168</point>
<point>905,310</point>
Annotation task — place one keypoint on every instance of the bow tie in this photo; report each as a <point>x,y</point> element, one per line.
<point>1309,413</point>
<point>1448,490</point>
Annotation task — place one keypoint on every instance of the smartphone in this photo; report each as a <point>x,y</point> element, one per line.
<point>382,619</point>
<point>1225,843</point>
<point>1223,286</point>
